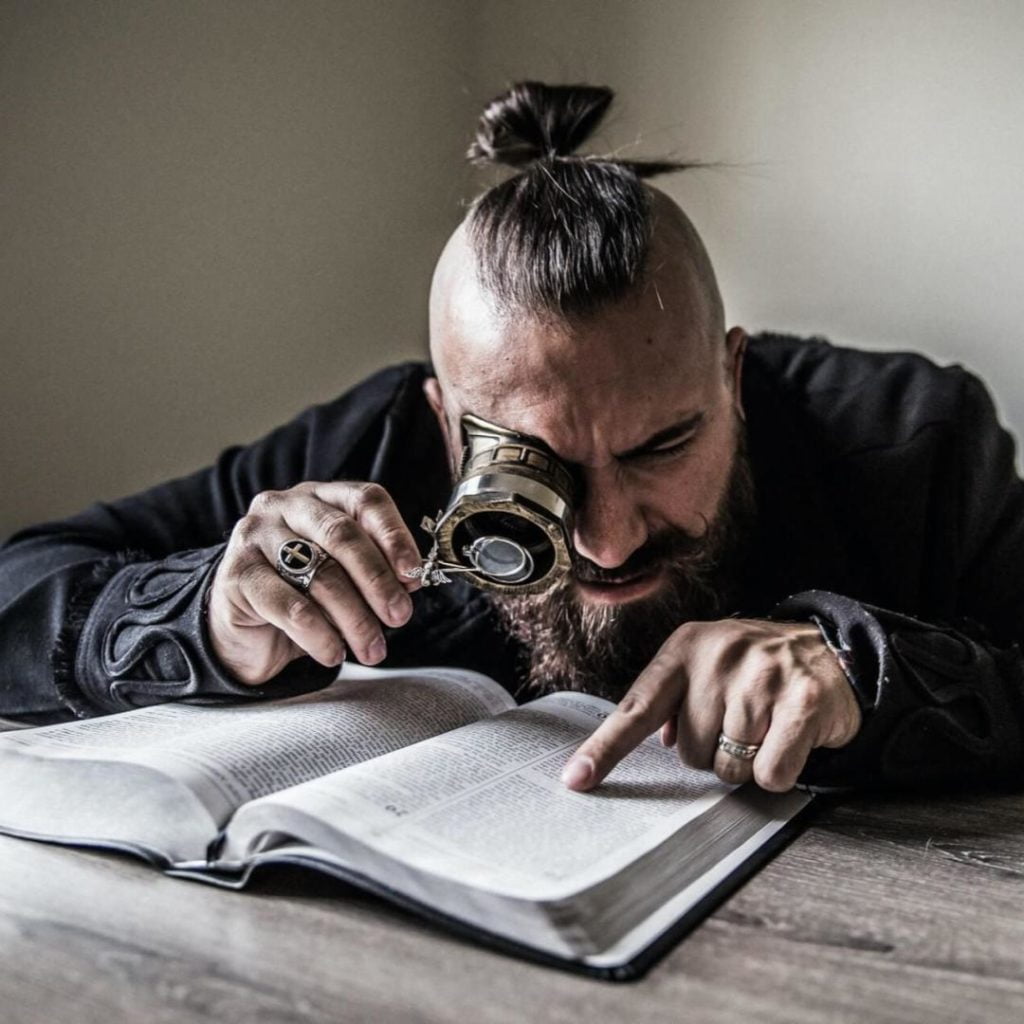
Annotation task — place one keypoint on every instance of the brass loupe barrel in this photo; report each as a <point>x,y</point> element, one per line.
<point>509,520</point>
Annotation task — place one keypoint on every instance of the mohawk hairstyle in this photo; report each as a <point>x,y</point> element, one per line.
<point>567,234</point>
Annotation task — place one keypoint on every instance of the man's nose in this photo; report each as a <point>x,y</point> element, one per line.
<point>610,524</point>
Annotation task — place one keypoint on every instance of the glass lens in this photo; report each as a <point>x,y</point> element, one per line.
<point>514,549</point>
<point>501,558</point>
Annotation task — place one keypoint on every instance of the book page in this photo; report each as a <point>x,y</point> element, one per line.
<point>484,804</point>
<point>228,754</point>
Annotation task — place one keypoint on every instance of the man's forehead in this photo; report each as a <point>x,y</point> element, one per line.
<point>585,391</point>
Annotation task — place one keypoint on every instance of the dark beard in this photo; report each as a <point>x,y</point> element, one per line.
<point>601,649</point>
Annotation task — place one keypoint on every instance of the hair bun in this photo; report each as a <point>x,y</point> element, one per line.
<point>534,121</point>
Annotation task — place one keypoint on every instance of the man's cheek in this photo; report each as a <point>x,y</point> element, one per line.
<point>680,505</point>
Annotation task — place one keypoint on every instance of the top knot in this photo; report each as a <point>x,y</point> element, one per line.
<point>534,121</point>
<point>565,234</point>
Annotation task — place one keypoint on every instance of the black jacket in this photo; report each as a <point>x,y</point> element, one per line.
<point>889,511</point>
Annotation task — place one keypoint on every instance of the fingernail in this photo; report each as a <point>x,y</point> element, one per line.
<point>399,609</point>
<point>406,567</point>
<point>578,772</point>
<point>378,651</point>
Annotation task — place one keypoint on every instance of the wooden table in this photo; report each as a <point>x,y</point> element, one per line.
<point>883,910</point>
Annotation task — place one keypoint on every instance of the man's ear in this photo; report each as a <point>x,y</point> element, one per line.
<point>735,349</point>
<point>435,398</point>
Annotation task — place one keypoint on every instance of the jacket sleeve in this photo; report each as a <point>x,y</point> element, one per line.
<point>104,611</point>
<point>943,702</point>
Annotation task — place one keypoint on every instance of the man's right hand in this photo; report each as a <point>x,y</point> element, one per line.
<point>258,622</point>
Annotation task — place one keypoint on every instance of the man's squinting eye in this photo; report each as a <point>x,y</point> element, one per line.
<point>666,444</point>
<point>666,450</point>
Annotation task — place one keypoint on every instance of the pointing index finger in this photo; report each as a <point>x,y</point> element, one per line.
<point>648,703</point>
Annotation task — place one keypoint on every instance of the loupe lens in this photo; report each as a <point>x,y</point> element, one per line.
<point>503,547</point>
<point>501,559</point>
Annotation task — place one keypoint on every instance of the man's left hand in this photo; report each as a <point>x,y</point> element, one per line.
<point>775,685</point>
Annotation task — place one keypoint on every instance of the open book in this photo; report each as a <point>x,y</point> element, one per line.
<point>430,787</point>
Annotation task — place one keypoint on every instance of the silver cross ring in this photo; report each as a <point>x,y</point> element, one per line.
<point>298,561</point>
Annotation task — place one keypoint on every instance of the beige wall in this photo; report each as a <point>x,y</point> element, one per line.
<point>213,213</point>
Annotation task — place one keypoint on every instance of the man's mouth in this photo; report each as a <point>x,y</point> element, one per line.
<point>623,589</point>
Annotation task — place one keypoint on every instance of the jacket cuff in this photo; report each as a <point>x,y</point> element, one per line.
<point>851,632</point>
<point>939,707</point>
<point>82,597</point>
<point>144,641</point>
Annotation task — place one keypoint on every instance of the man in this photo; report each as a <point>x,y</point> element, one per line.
<point>797,562</point>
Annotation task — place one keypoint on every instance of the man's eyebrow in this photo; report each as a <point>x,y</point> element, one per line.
<point>671,433</point>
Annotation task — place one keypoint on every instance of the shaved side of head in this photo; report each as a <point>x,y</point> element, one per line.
<point>468,321</point>
<point>674,239</point>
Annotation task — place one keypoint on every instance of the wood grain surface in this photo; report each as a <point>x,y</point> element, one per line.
<point>883,910</point>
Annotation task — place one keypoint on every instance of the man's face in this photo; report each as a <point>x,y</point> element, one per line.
<point>644,406</point>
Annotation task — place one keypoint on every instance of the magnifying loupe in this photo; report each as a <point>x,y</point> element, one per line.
<point>508,523</point>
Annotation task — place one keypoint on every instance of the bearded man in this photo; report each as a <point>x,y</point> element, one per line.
<point>801,563</point>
